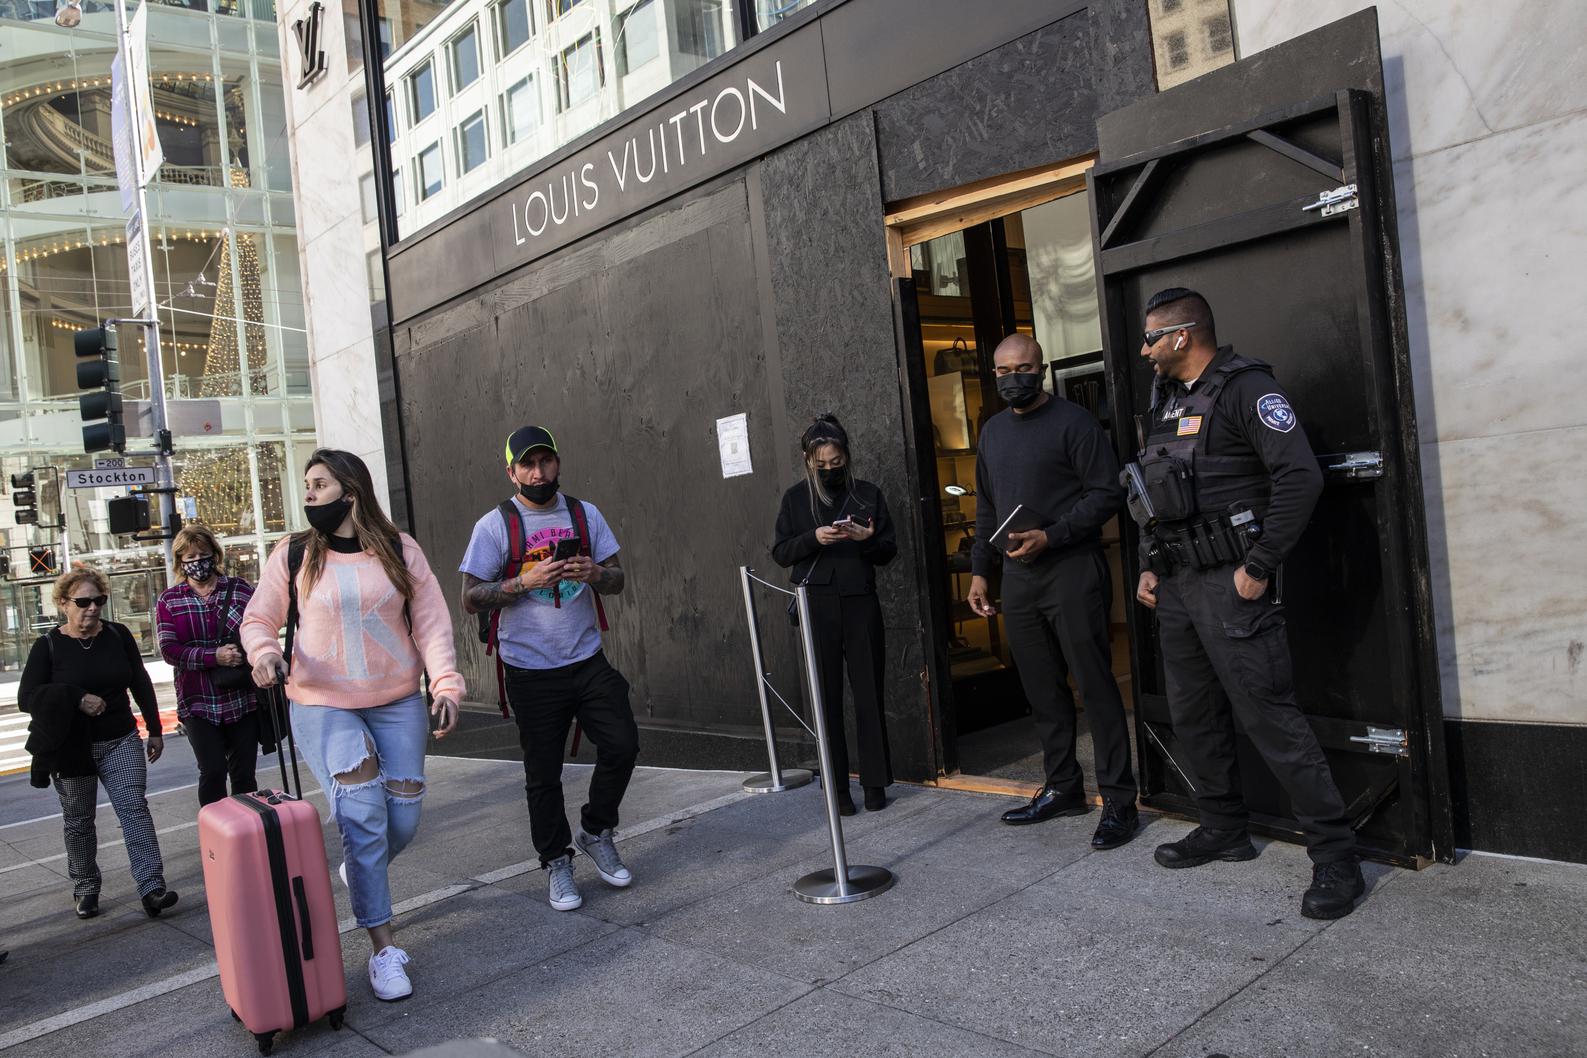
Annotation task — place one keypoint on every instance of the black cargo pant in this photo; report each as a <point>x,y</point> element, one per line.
<point>1055,612</point>
<point>1227,659</point>
<point>545,703</point>
<point>848,628</point>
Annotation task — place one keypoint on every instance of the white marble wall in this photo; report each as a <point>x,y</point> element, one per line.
<point>1488,115</point>
<point>331,244</point>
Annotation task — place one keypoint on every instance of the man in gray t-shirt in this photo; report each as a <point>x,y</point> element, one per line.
<point>549,645</point>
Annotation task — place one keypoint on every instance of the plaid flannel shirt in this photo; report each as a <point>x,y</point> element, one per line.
<point>191,630</point>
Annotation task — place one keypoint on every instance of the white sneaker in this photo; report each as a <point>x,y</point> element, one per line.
<point>603,853</point>
<point>564,895</point>
<point>341,872</point>
<point>387,976</point>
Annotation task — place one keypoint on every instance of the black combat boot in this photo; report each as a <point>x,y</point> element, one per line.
<point>1203,845</point>
<point>1334,889</point>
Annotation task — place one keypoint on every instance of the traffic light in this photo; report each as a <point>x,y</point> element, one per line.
<point>98,368</point>
<point>128,514</point>
<point>41,561</point>
<point>25,498</point>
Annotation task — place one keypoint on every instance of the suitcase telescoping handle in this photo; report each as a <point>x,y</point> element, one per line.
<point>275,703</point>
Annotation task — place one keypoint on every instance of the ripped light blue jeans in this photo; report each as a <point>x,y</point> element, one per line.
<point>379,817</point>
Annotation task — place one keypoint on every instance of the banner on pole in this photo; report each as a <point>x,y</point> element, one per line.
<point>148,136</point>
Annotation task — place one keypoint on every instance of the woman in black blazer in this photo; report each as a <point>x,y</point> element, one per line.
<point>833,530</point>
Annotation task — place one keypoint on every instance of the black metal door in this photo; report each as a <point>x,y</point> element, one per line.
<point>1274,199</point>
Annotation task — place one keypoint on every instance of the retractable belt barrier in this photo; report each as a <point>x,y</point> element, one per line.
<point>844,883</point>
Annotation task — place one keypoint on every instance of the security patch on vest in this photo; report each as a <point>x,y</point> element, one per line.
<point>1275,413</point>
<point>1189,426</point>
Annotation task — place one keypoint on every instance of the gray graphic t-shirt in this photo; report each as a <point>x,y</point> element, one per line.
<point>535,633</point>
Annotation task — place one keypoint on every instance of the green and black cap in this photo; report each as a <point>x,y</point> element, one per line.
<point>526,437</point>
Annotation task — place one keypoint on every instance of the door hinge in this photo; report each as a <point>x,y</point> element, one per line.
<point>1385,740</point>
<point>1339,200</point>
<point>1355,465</point>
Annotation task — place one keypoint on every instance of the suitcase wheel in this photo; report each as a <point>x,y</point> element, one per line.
<point>335,1018</point>
<point>267,1041</point>
<point>234,1016</point>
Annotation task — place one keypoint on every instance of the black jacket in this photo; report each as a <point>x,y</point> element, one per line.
<point>58,734</point>
<point>847,567</point>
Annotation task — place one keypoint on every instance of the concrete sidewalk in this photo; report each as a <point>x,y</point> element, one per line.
<point>995,941</point>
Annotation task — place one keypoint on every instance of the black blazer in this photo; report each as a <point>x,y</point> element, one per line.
<point>847,567</point>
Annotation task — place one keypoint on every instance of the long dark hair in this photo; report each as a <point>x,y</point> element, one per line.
<point>377,534</point>
<point>826,430</point>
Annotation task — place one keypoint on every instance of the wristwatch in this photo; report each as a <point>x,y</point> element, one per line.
<point>1257,571</point>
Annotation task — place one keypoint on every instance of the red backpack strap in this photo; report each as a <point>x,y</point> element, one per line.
<point>581,526</point>
<point>512,522</point>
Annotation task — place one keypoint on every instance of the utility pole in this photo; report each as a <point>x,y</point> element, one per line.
<point>166,488</point>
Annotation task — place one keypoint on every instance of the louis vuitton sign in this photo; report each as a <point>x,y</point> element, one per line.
<point>755,105</point>
<point>312,64</point>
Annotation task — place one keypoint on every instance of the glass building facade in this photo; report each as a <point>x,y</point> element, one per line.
<point>223,239</point>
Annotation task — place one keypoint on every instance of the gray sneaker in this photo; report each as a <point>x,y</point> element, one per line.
<point>563,893</point>
<point>603,853</point>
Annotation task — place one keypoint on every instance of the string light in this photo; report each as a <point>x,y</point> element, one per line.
<point>79,84</point>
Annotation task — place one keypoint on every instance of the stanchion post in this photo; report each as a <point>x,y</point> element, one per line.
<point>843,884</point>
<point>775,780</point>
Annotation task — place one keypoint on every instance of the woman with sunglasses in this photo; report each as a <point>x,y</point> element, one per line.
<point>78,685</point>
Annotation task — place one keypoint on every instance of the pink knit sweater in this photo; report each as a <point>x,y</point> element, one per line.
<point>352,644</point>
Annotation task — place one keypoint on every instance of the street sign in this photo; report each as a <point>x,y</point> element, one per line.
<point>104,463</point>
<point>143,127</point>
<point>139,275</point>
<point>110,478</point>
<point>184,418</point>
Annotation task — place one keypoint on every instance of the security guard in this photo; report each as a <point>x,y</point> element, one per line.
<point>1224,486</point>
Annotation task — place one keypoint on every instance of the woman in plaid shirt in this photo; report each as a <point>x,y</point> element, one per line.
<point>198,621</point>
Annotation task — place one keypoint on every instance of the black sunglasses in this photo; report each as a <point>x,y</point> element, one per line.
<point>85,601</point>
<point>1155,335</point>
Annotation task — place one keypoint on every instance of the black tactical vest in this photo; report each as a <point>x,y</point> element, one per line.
<point>1183,481</point>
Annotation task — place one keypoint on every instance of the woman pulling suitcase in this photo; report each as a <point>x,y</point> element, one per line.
<point>371,621</point>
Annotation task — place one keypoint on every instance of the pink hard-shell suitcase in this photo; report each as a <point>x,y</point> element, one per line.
<point>270,904</point>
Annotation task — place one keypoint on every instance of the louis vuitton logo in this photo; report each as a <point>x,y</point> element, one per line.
<point>307,31</point>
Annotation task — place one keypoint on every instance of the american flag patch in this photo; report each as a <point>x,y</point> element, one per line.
<point>1189,426</point>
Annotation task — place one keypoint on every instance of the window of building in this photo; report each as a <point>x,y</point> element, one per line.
<point>1220,35</point>
<point>375,272</point>
<point>699,28</point>
<point>638,37</point>
<point>464,50</point>
<point>579,72</point>
<point>432,171</point>
<point>421,92</point>
<point>1178,51</point>
<point>360,120</point>
<point>512,26</point>
<point>399,204</point>
<point>391,119</point>
<point>366,197</point>
<point>520,111</point>
<point>472,147</point>
<point>557,8</point>
<point>383,27</point>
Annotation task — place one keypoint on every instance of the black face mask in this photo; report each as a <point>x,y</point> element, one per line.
<point>326,518</point>
<point>540,493</point>
<point>200,569</point>
<point>1019,388</point>
<point>833,479</point>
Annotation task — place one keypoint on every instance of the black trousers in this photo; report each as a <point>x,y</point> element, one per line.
<point>224,750</point>
<point>847,630</point>
<point>1227,661</point>
<point>1055,614</point>
<point>545,703</point>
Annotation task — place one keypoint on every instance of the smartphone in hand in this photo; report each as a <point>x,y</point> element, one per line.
<point>566,549</point>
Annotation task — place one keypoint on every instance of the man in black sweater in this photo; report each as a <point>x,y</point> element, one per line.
<point>1051,457</point>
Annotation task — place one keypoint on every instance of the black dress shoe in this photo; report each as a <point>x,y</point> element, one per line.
<point>846,803</point>
<point>1047,804</point>
<point>1203,845</point>
<point>158,901</point>
<point>88,906</point>
<point>1119,820</point>
<point>875,798</point>
<point>1334,889</point>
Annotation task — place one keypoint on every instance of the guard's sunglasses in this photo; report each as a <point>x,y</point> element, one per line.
<point>83,602</point>
<point>1155,335</point>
